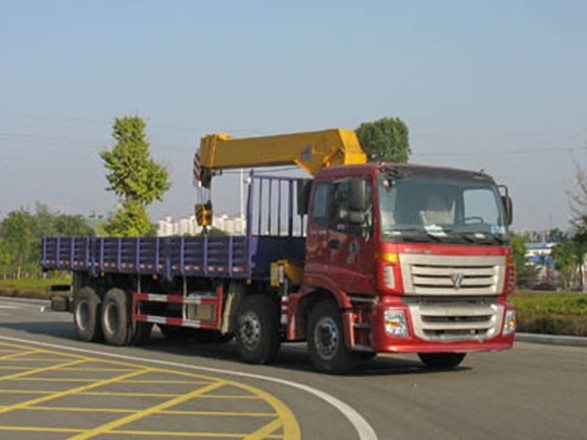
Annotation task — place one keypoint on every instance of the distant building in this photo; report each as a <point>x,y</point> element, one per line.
<point>540,253</point>
<point>554,235</point>
<point>232,225</point>
<point>165,227</point>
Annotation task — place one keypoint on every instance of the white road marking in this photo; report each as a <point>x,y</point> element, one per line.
<point>364,430</point>
<point>8,307</point>
<point>24,302</point>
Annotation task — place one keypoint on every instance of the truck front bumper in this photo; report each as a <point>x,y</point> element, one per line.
<point>402,328</point>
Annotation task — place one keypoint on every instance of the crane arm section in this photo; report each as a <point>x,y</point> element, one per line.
<point>311,151</point>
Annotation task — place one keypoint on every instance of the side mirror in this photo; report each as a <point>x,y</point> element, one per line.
<point>358,195</point>
<point>508,209</point>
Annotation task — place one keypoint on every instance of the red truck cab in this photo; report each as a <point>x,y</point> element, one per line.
<point>417,258</point>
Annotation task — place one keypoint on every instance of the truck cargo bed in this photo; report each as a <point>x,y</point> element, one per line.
<point>205,256</point>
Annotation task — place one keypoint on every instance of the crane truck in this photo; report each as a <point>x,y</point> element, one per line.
<point>360,259</point>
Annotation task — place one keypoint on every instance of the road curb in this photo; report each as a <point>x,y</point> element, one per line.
<point>16,299</point>
<point>576,341</point>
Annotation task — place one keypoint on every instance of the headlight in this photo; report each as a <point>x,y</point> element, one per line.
<point>509,324</point>
<point>396,323</point>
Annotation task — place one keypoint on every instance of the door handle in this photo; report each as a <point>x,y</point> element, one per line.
<point>334,244</point>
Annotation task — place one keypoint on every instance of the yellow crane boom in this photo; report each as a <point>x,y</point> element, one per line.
<point>311,151</point>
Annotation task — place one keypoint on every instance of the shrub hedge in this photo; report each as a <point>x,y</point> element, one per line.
<point>551,312</point>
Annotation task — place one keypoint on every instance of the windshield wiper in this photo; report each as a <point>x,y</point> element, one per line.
<point>496,237</point>
<point>475,237</point>
<point>420,234</point>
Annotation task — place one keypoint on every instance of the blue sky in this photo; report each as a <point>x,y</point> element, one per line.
<point>497,85</point>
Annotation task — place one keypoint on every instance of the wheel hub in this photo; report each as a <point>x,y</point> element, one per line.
<point>326,338</point>
<point>250,330</point>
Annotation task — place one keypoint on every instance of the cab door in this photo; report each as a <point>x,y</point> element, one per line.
<point>317,254</point>
<point>350,244</point>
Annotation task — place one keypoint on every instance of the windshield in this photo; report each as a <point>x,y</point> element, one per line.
<point>415,208</point>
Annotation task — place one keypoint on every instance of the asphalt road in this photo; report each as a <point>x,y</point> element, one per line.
<point>54,387</point>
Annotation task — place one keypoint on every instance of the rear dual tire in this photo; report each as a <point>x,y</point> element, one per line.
<point>108,318</point>
<point>86,315</point>
<point>117,325</point>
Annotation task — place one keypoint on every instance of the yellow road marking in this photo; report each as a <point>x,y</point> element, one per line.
<point>18,354</point>
<point>164,412</point>
<point>31,360</point>
<point>266,430</point>
<point>177,382</point>
<point>55,379</point>
<point>124,394</point>
<point>146,412</point>
<point>218,413</point>
<point>25,392</point>
<point>39,370</point>
<point>24,405</point>
<point>38,429</point>
<point>189,434</point>
<point>93,370</point>
<point>285,418</point>
<point>57,356</point>
<point>75,409</point>
<point>288,420</point>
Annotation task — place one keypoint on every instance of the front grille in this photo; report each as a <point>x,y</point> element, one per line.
<point>452,275</point>
<point>456,321</point>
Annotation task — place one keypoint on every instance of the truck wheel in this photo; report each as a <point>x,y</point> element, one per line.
<point>257,330</point>
<point>441,361</point>
<point>116,318</point>
<point>86,315</point>
<point>326,345</point>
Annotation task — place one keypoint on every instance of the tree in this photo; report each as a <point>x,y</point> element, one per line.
<point>18,242</point>
<point>20,238</point>
<point>580,248</point>
<point>386,139</point>
<point>518,245</point>
<point>5,259</point>
<point>565,261</point>
<point>134,176</point>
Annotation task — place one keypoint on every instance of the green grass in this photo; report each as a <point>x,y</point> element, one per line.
<point>32,288</point>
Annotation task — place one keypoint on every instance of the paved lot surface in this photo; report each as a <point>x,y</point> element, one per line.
<point>180,390</point>
<point>46,392</point>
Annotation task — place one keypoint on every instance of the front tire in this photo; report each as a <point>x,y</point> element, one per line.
<point>86,315</point>
<point>441,361</point>
<point>257,330</point>
<point>326,343</point>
